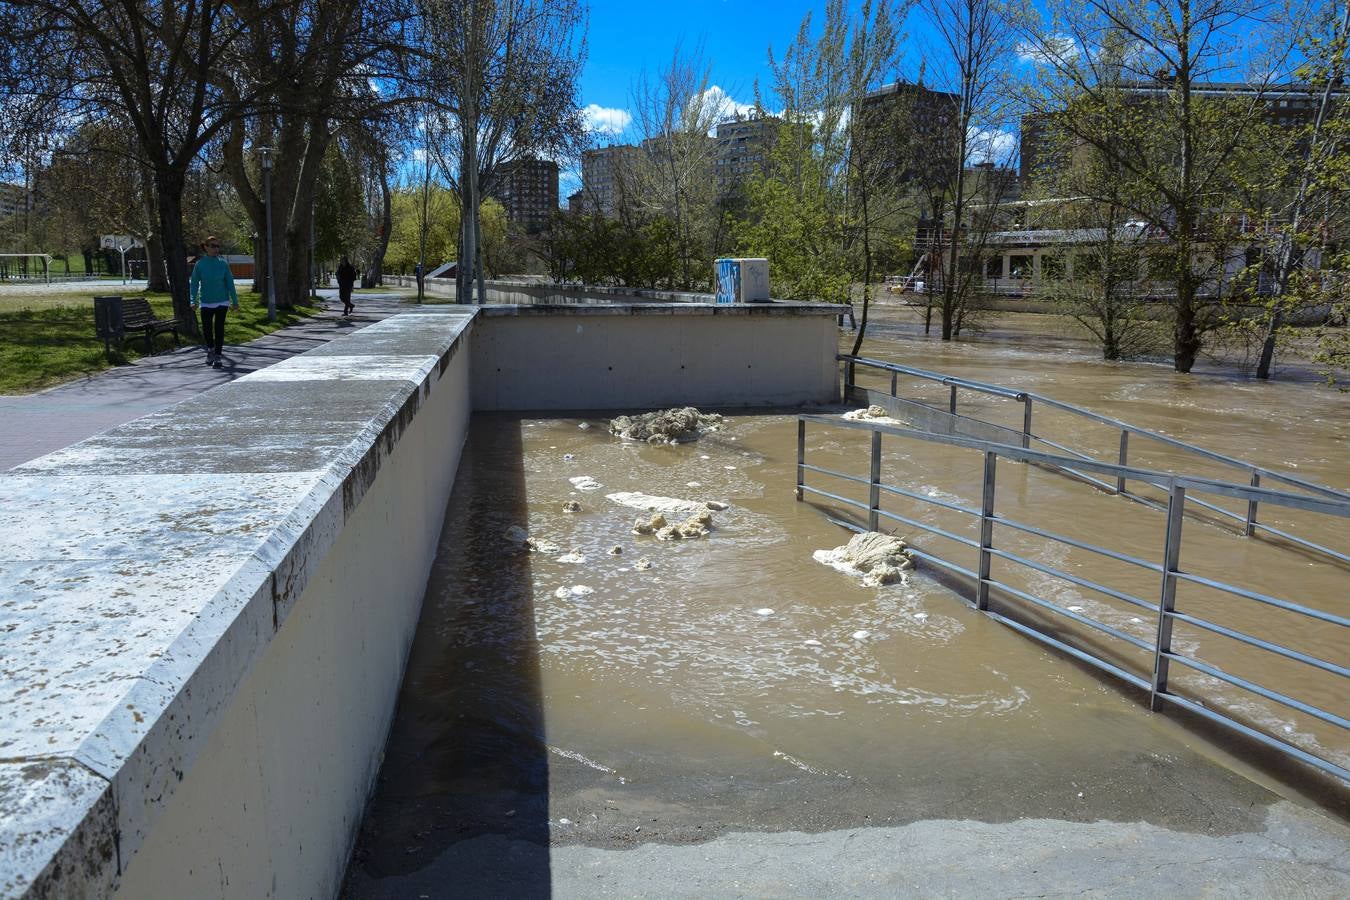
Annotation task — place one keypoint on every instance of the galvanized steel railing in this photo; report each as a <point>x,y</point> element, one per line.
<point>1256,474</point>
<point>1167,568</point>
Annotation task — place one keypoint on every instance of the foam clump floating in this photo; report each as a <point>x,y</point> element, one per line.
<point>669,426</point>
<point>696,526</point>
<point>517,534</point>
<point>877,558</point>
<point>667,506</point>
<point>873,414</point>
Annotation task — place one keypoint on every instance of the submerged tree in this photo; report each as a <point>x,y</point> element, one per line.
<point>974,46</point>
<point>1180,146</point>
<point>1319,174</point>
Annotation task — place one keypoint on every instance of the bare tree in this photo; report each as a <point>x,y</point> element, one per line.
<point>674,178</point>
<point>974,46</point>
<point>506,74</point>
<point>321,67</point>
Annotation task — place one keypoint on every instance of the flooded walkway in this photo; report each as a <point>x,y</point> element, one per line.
<point>574,723</point>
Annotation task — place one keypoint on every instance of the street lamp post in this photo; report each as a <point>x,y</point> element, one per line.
<point>266,162</point>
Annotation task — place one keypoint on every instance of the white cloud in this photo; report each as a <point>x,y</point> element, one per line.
<point>606,120</point>
<point>723,105</point>
<point>1054,49</point>
<point>991,145</point>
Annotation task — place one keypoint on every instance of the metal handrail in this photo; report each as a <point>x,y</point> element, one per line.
<point>1256,473</point>
<point>1160,648</point>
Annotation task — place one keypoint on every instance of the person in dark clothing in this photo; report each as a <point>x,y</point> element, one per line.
<point>346,279</point>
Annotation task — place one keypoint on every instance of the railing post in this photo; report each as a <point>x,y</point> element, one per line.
<point>1124,455</point>
<point>1026,423</point>
<point>986,530</point>
<point>893,377</point>
<point>874,485</point>
<point>801,456</point>
<point>848,376</point>
<point>951,406</point>
<point>1250,528</point>
<point>1176,503</point>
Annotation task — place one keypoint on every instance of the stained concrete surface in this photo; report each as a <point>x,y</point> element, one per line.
<point>1292,854</point>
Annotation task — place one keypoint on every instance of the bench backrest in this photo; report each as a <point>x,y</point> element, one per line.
<point>136,312</point>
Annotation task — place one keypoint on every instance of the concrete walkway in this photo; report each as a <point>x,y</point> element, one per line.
<point>37,424</point>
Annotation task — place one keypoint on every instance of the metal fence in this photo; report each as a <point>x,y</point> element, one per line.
<point>1180,490</point>
<point>1256,475</point>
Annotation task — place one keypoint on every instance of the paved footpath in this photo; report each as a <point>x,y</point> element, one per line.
<point>37,424</point>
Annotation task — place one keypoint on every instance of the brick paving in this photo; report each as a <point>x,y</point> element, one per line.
<point>32,425</point>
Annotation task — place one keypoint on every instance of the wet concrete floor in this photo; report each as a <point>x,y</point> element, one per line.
<point>570,721</point>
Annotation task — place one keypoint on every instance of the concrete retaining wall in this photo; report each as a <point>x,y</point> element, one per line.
<point>205,613</point>
<point>652,355</point>
<point>202,651</point>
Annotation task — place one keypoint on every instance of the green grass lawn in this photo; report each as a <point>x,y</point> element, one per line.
<point>43,346</point>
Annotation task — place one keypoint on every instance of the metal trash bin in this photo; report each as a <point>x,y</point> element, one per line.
<point>109,321</point>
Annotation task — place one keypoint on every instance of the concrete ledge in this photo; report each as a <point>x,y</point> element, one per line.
<point>145,572</point>
<point>551,294</point>
<point>616,357</point>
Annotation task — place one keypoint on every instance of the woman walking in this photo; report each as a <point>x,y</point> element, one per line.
<point>212,288</point>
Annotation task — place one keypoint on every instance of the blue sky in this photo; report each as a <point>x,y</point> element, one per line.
<point>734,36</point>
<point>628,37</point>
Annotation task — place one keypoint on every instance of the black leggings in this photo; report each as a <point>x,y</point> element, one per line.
<point>213,327</point>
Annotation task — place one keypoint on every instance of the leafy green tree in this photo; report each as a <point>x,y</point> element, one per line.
<point>1319,172</point>
<point>442,228</point>
<point>827,201</point>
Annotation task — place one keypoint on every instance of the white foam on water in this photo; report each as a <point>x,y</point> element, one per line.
<point>585,483</point>
<point>577,757</point>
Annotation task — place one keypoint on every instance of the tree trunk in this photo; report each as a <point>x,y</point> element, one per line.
<point>867,276</point>
<point>376,273</point>
<point>169,190</point>
<point>157,280</point>
<point>1285,264</point>
<point>1186,336</point>
<point>478,263</point>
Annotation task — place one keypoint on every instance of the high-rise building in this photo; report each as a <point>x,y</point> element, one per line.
<point>916,127</point>
<point>14,198</point>
<point>604,173</point>
<point>528,189</point>
<point>1291,106</point>
<point>743,147</point>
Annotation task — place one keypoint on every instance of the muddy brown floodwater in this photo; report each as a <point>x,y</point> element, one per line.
<point>737,685</point>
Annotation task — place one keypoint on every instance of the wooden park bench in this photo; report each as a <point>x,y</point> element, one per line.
<point>138,320</point>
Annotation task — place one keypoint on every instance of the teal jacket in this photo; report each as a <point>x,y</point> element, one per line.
<point>212,283</point>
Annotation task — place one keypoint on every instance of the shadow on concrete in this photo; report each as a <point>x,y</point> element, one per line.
<point>461,806</point>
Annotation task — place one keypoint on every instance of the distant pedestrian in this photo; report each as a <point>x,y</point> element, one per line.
<point>212,289</point>
<point>346,279</point>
